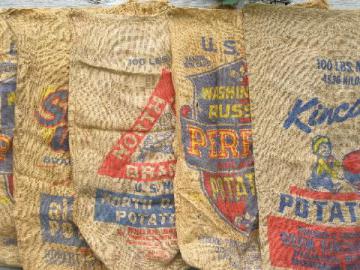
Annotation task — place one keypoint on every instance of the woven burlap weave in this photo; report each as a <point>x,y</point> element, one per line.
<point>121,131</point>
<point>216,209</point>
<point>48,238</point>
<point>8,250</point>
<point>305,106</point>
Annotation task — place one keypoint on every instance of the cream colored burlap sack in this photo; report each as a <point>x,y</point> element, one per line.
<point>305,102</point>
<point>8,250</point>
<point>121,115</point>
<point>216,208</point>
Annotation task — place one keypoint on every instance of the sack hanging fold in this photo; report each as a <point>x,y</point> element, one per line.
<point>8,250</point>
<point>121,116</point>
<point>305,105</point>
<point>216,207</point>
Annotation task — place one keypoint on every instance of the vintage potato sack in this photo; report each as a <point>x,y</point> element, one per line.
<point>45,198</point>
<point>122,123</point>
<point>216,207</point>
<point>305,104</point>
<point>8,249</point>
<point>47,236</point>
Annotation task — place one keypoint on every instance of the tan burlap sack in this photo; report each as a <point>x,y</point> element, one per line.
<point>121,117</point>
<point>8,250</point>
<point>216,208</point>
<point>47,236</point>
<point>305,103</point>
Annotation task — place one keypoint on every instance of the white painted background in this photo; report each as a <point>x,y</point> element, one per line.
<point>338,4</point>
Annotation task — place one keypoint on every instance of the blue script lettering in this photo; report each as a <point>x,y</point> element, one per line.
<point>319,114</point>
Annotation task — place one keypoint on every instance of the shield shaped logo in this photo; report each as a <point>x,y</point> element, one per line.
<point>217,141</point>
<point>233,197</point>
<point>221,95</point>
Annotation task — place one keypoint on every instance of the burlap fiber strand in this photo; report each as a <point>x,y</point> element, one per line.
<point>216,208</point>
<point>305,104</point>
<point>121,115</point>
<point>9,254</point>
<point>47,236</point>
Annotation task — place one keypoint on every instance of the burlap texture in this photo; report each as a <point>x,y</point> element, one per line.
<point>216,209</point>
<point>121,132</point>
<point>47,236</point>
<point>304,93</point>
<point>8,250</point>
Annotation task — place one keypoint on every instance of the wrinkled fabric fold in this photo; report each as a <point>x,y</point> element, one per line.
<point>121,133</point>
<point>215,195</point>
<point>305,103</point>
<point>9,254</point>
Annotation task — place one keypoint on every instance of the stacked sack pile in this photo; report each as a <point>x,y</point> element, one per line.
<point>145,136</point>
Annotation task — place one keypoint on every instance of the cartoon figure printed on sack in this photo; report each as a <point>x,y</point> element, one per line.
<point>330,174</point>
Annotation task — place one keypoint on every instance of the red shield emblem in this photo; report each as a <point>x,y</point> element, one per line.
<point>233,196</point>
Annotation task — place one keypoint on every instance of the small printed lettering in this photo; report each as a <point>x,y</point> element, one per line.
<point>339,72</point>
<point>160,187</point>
<point>7,67</point>
<point>56,161</point>
<point>295,244</point>
<point>60,257</point>
<point>228,46</point>
<point>144,239</point>
<point>135,210</point>
<point>196,61</point>
<point>151,61</point>
<point>228,250</point>
<point>333,79</point>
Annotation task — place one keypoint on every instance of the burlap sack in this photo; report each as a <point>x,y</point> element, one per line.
<point>121,116</point>
<point>8,250</point>
<point>305,103</point>
<point>47,236</point>
<point>216,208</point>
